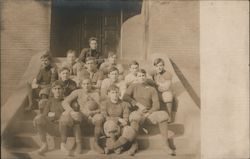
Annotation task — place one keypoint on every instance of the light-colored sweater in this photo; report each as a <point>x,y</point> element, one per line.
<point>82,98</point>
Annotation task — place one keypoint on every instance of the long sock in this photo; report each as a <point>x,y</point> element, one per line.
<point>98,131</point>
<point>164,131</point>
<point>175,104</point>
<point>169,106</point>
<point>163,126</point>
<point>170,111</point>
<point>173,116</point>
<point>171,144</point>
<point>78,133</point>
<point>174,108</point>
<point>63,131</point>
<point>41,129</point>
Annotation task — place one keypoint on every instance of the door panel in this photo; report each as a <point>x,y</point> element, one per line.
<point>111,21</point>
<point>71,28</point>
<point>91,27</point>
<point>110,32</point>
<point>65,33</point>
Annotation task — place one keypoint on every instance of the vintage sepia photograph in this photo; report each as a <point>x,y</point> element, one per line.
<point>99,79</point>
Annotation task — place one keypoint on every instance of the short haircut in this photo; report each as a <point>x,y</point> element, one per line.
<point>71,52</point>
<point>83,79</point>
<point>110,54</point>
<point>64,68</point>
<point>141,71</point>
<point>158,60</point>
<point>133,63</point>
<point>92,39</point>
<point>113,87</point>
<point>46,56</point>
<point>113,69</point>
<point>57,83</point>
<point>90,58</point>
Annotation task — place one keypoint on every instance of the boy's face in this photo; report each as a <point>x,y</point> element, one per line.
<point>57,91</point>
<point>114,95</point>
<point>86,85</point>
<point>71,57</point>
<point>112,59</point>
<point>91,65</point>
<point>159,67</point>
<point>93,44</point>
<point>141,77</point>
<point>133,69</point>
<point>114,75</point>
<point>45,62</point>
<point>64,75</point>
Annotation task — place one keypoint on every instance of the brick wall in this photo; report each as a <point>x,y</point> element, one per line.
<point>25,30</point>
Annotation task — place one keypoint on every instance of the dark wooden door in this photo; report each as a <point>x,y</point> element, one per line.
<point>65,31</point>
<point>90,27</point>
<point>110,33</point>
<point>72,27</point>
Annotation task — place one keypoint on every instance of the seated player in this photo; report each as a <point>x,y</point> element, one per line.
<point>91,52</point>
<point>72,121</point>
<point>116,110</point>
<point>71,63</point>
<point>112,62</point>
<point>163,79</point>
<point>113,78</point>
<point>130,78</point>
<point>145,98</point>
<point>51,119</point>
<point>46,75</point>
<point>92,72</point>
<point>68,84</point>
<point>88,99</point>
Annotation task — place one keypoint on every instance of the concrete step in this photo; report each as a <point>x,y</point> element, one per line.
<point>152,142</point>
<point>89,154</point>
<point>187,143</point>
<point>26,126</point>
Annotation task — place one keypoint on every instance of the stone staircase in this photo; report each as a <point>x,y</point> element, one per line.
<point>20,138</point>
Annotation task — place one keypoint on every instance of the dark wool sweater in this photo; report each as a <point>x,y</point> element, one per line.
<point>55,106</point>
<point>115,110</point>
<point>144,94</point>
<point>46,76</point>
<point>68,86</point>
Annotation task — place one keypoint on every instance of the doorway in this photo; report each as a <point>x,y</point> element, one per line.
<point>74,22</point>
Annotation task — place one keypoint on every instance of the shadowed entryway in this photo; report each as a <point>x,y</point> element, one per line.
<point>74,22</point>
